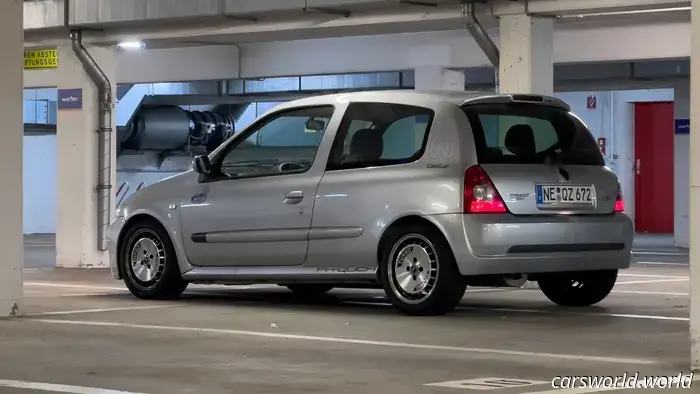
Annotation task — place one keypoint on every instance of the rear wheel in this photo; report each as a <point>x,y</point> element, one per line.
<point>582,288</point>
<point>310,289</point>
<point>149,263</point>
<point>419,272</point>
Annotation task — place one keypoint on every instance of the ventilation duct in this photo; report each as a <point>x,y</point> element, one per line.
<point>171,128</point>
<point>481,37</point>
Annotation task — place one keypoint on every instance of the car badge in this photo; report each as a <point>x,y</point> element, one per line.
<point>198,198</point>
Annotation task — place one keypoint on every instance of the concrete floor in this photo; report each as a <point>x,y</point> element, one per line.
<point>85,330</point>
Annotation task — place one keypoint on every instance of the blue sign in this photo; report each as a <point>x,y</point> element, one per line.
<point>682,126</point>
<point>70,99</point>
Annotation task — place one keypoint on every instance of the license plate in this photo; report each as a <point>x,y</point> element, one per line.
<point>569,194</point>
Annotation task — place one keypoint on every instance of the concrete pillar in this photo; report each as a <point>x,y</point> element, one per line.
<point>76,233</point>
<point>695,190</point>
<point>11,94</point>
<point>526,64</point>
<point>438,78</point>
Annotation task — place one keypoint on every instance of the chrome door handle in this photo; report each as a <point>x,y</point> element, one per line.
<point>294,197</point>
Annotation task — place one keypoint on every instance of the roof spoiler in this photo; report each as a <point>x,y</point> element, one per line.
<point>518,98</point>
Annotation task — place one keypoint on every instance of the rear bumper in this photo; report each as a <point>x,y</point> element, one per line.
<point>508,244</point>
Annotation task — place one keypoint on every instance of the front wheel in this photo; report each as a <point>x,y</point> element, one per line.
<point>149,263</point>
<point>582,288</point>
<point>419,272</point>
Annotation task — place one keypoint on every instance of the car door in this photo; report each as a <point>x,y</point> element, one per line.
<point>255,207</point>
<point>369,181</point>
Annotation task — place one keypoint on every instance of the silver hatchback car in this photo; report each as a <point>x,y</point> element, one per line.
<point>419,193</point>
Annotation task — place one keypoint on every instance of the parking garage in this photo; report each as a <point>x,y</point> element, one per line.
<point>183,78</point>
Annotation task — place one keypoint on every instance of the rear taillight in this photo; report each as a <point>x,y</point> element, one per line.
<point>480,194</point>
<point>619,202</point>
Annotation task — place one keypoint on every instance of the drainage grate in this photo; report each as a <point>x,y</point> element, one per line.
<point>487,383</point>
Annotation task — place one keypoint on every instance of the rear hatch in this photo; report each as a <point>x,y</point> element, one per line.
<point>541,158</point>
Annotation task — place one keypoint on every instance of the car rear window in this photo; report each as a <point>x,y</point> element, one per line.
<point>523,133</point>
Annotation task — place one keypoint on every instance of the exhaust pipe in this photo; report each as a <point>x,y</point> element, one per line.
<point>104,131</point>
<point>481,37</point>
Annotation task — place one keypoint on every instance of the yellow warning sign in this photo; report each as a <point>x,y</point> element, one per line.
<point>41,59</point>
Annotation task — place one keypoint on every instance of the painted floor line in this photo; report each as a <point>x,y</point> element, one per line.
<point>643,282</point>
<point>492,290</point>
<point>59,388</point>
<point>83,311</point>
<point>660,263</point>
<point>501,352</point>
<point>73,286</point>
<point>658,293</point>
<point>651,253</point>
<point>539,311</point>
<point>655,276</point>
<point>542,311</point>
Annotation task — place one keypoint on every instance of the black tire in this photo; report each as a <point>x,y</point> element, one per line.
<point>581,288</point>
<point>441,289</point>
<point>310,289</point>
<point>166,282</point>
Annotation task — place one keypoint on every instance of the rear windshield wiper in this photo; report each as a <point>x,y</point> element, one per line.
<point>551,154</point>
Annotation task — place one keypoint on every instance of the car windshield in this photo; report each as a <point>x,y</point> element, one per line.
<point>530,134</point>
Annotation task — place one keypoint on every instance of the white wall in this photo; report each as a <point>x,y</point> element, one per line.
<point>39,187</point>
<point>614,119</point>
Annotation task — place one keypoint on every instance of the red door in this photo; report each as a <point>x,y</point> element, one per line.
<point>653,167</point>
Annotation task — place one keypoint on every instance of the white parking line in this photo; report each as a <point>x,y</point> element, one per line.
<point>350,341</point>
<point>59,388</point>
<point>541,311</point>
<point>652,253</point>
<point>655,276</point>
<point>660,263</point>
<point>642,282</point>
<point>546,312</point>
<point>658,293</point>
<point>72,286</point>
<point>83,311</point>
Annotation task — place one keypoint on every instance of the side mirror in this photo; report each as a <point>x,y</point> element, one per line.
<point>314,125</point>
<point>201,165</point>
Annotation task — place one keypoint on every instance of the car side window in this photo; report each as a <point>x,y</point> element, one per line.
<point>380,134</point>
<point>286,142</point>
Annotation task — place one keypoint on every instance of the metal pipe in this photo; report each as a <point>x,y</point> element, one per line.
<point>104,132</point>
<point>223,87</point>
<point>480,36</point>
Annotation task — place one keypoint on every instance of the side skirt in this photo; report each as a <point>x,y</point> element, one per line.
<point>250,275</point>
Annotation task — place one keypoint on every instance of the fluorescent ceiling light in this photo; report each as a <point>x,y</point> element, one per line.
<point>632,12</point>
<point>131,45</point>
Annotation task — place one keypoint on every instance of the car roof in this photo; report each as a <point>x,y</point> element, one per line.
<point>425,98</point>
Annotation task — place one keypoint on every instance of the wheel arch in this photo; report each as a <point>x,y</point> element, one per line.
<point>404,221</point>
<point>131,222</point>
